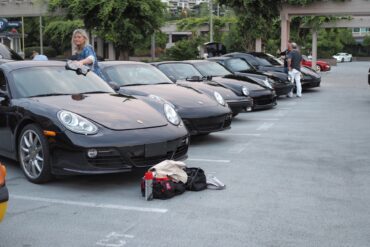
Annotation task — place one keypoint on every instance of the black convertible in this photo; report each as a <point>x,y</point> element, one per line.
<point>202,114</point>
<point>279,81</point>
<point>263,97</point>
<point>54,120</point>
<point>267,63</point>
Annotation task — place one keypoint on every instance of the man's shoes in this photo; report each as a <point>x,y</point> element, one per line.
<point>289,95</point>
<point>299,96</point>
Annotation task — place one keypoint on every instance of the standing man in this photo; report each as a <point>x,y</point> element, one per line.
<point>294,68</point>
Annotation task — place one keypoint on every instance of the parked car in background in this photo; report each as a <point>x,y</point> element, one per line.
<point>267,62</point>
<point>343,57</point>
<point>277,80</point>
<point>7,53</point>
<point>320,65</point>
<point>4,194</point>
<point>263,97</point>
<point>185,75</point>
<point>201,114</point>
<point>63,120</point>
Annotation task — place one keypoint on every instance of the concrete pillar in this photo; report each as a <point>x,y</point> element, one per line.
<point>258,45</point>
<point>314,48</point>
<point>285,31</point>
<point>111,52</point>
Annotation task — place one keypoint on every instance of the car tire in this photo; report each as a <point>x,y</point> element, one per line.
<point>33,154</point>
<point>318,68</point>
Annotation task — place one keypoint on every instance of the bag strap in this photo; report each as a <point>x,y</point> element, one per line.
<point>192,178</point>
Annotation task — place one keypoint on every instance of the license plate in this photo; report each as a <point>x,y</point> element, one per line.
<point>156,149</point>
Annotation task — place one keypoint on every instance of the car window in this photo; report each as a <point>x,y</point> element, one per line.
<point>266,60</point>
<point>2,82</point>
<point>180,71</point>
<point>6,53</point>
<point>212,69</point>
<point>237,64</point>
<point>32,81</point>
<point>136,74</point>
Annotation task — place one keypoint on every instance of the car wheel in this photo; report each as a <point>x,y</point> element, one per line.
<point>318,68</point>
<point>33,154</point>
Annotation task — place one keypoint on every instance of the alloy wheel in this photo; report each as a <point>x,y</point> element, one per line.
<point>31,154</point>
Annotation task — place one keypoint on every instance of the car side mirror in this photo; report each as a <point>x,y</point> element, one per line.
<point>80,70</point>
<point>194,78</point>
<point>172,78</point>
<point>114,85</point>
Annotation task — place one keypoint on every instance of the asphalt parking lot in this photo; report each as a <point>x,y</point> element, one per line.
<point>296,175</point>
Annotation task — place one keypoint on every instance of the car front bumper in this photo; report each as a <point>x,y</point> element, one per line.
<point>116,151</point>
<point>310,83</point>
<point>237,106</point>
<point>263,99</point>
<point>283,89</point>
<point>198,126</point>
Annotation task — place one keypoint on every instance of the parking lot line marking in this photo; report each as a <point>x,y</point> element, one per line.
<point>236,134</point>
<point>265,126</point>
<point>207,160</point>
<point>263,119</point>
<point>90,204</point>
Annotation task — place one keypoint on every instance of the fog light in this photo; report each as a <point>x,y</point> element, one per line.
<point>249,108</point>
<point>92,153</point>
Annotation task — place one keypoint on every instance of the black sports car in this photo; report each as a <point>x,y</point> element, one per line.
<point>263,97</point>
<point>54,120</point>
<point>279,81</point>
<point>237,101</point>
<point>200,113</point>
<point>267,63</point>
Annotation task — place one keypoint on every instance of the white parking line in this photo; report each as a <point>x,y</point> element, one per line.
<point>237,134</point>
<point>265,126</point>
<point>208,160</point>
<point>263,119</point>
<point>90,204</point>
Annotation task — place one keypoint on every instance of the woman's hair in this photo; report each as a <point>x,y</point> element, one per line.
<point>82,32</point>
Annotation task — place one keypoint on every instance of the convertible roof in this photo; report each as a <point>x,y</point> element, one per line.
<point>13,65</point>
<point>112,63</point>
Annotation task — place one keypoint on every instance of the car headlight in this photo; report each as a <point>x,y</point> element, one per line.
<point>219,98</point>
<point>76,123</point>
<point>245,91</point>
<point>160,100</point>
<point>267,83</point>
<point>171,114</point>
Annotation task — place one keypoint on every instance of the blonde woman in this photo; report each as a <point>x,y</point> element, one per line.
<point>83,52</point>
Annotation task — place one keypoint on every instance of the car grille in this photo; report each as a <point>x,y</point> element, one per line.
<point>122,158</point>
<point>208,124</point>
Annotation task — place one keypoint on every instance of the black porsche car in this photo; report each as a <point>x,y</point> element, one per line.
<point>55,119</point>
<point>266,63</point>
<point>279,81</point>
<point>200,113</point>
<point>263,97</point>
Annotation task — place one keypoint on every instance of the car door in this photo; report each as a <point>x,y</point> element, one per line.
<point>5,112</point>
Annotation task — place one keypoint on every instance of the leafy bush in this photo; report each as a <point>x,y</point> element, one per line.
<point>184,50</point>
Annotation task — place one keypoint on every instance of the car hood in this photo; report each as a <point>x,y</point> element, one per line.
<point>241,82</point>
<point>113,111</point>
<point>179,96</point>
<point>210,87</point>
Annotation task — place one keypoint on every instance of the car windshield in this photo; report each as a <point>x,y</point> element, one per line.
<point>237,65</point>
<point>45,81</point>
<point>180,71</point>
<point>6,53</point>
<point>212,69</point>
<point>136,74</point>
<point>266,60</point>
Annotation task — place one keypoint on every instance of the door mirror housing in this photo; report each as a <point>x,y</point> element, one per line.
<point>114,85</point>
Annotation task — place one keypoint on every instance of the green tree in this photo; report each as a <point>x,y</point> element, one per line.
<point>59,32</point>
<point>184,49</point>
<point>122,22</point>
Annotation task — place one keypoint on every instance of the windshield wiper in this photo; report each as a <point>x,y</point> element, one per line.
<point>49,94</point>
<point>164,83</point>
<point>133,84</point>
<point>91,92</point>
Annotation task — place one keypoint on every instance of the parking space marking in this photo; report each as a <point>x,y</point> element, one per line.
<point>90,204</point>
<point>114,239</point>
<point>263,119</point>
<point>265,126</point>
<point>208,160</point>
<point>237,134</point>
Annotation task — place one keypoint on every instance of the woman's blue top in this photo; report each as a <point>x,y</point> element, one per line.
<point>89,51</point>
